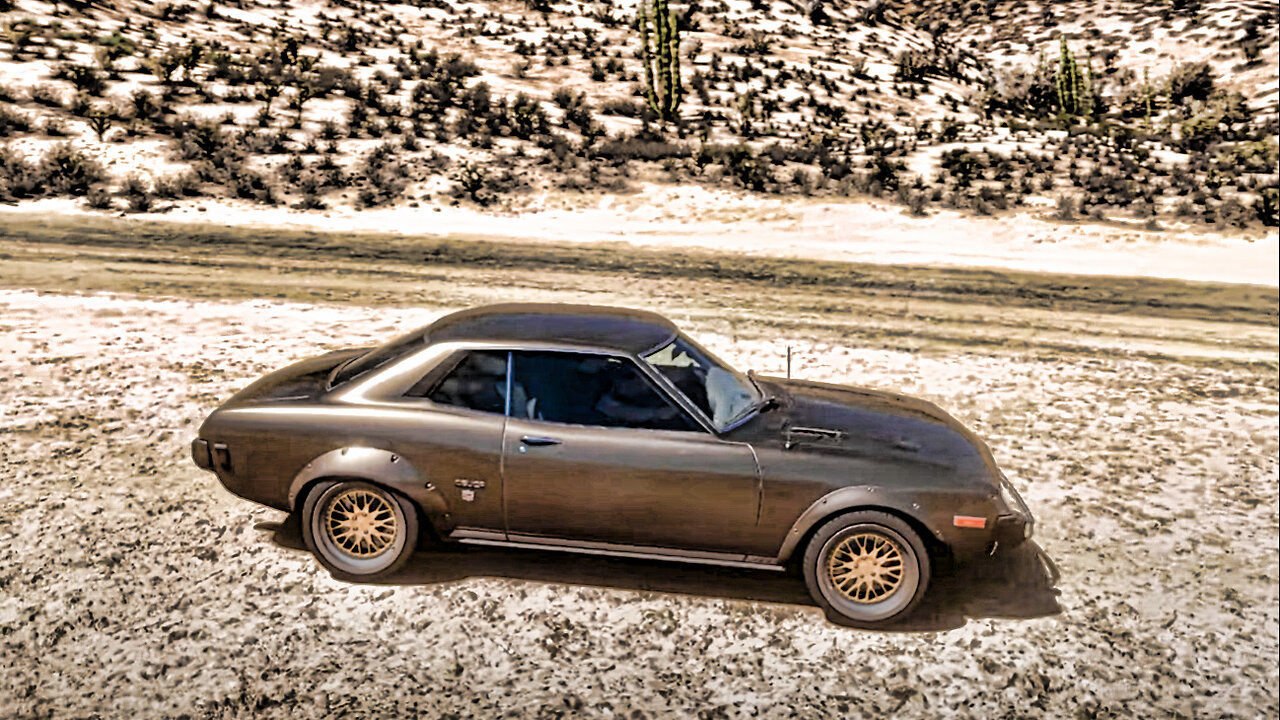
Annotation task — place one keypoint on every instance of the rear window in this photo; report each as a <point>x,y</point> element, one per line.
<point>378,357</point>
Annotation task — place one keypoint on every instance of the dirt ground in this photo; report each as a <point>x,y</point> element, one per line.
<point>132,584</point>
<point>688,217</point>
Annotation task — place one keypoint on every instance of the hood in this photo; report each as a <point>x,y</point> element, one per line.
<point>823,418</point>
<point>302,380</point>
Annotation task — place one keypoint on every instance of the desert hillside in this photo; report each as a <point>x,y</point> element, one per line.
<point>1158,114</point>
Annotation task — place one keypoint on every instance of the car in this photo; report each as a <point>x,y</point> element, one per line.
<point>609,431</point>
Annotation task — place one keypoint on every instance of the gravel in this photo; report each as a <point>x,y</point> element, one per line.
<point>132,584</point>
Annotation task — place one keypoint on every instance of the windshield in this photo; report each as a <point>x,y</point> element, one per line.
<point>724,394</point>
<point>378,357</point>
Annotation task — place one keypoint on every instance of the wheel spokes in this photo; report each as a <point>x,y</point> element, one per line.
<point>866,567</point>
<point>360,522</point>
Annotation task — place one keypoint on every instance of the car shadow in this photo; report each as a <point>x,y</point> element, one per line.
<point>1015,584</point>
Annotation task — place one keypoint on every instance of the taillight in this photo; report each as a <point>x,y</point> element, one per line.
<point>221,457</point>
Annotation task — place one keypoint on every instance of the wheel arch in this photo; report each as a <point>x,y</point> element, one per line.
<point>855,499</point>
<point>375,465</point>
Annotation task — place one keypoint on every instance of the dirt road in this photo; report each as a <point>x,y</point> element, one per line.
<point>1139,421</point>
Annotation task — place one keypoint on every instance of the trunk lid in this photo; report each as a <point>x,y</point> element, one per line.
<point>304,380</point>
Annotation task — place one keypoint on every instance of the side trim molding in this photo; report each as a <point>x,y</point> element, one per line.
<point>529,542</point>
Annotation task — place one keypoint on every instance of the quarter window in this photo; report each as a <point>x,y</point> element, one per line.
<point>584,389</point>
<point>477,382</point>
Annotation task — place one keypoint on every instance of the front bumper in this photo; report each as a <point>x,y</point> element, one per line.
<point>1002,523</point>
<point>1001,533</point>
<point>1012,530</point>
<point>1017,524</point>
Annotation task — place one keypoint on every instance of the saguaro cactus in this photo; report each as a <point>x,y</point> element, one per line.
<point>1068,80</point>
<point>660,52</point>
<point>1075,88</point>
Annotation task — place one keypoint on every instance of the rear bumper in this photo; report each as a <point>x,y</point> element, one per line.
<point>213,457</point>
<point>201,455</point>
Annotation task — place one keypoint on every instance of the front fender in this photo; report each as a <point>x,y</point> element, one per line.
<point>377,466</point>
<point>862,497</point>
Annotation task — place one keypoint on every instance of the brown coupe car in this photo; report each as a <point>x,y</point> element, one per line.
<point>608,431</point>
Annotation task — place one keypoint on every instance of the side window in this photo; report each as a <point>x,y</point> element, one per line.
<point>478,382</point>
<point>583,389</point>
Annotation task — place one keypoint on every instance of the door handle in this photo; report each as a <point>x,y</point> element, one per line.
<point>539,440</point>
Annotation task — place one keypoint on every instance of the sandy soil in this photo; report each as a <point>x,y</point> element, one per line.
<point>132,584</point>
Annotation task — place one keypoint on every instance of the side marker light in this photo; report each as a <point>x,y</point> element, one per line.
<point>969,521</point>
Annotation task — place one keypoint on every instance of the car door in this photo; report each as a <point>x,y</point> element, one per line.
<point>458,442</point>
<point>594,452</point>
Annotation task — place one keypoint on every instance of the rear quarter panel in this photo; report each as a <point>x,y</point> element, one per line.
<point>266,450</point>
<point>271,445</point>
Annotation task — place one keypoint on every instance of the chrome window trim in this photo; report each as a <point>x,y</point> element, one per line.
<point>506,408</point>
<point>386,386</point>
<point>740,421</point>
<point>659,346</point>
<point>676,398</point>
<point>392,381</point>
<point>669,388</point>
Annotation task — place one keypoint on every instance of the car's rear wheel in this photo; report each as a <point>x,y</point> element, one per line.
<point>358,530</point>
<point>868,567</point>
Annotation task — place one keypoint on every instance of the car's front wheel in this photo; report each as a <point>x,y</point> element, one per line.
<point>869,567</point>
<point>358,530</point>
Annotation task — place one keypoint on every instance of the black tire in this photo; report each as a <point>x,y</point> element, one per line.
<point>883,570</point>
<point>381,529</point>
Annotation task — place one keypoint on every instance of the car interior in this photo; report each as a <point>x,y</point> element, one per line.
<point>572,388</point>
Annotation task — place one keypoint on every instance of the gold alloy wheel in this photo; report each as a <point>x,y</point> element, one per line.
<point>866,567</point>
<point>361,523</point>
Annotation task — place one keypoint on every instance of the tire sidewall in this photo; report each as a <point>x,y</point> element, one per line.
<point>890,610</point>
<point>341,565</point>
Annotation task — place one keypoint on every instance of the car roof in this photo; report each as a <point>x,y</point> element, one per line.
<point>622,329</point>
